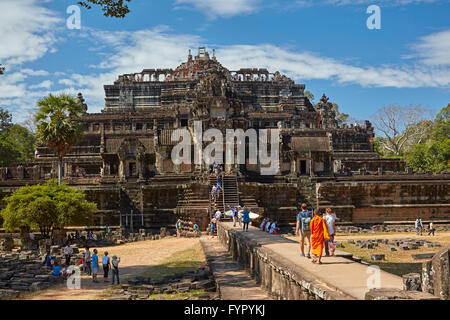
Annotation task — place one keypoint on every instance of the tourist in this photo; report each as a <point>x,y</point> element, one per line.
<point>87,261</point>
<point>303,221</point>
<point>56,269</point>
<point>213,192</point>
<point>245,218</point>
<point>196,230</point>
<point>267,227</point>
<point>330,220</point>
<point>218,215</point>
<point>432,229</point>
<point>213,227</point>
<point>319,234</point>
<point>106,266</point>
<point>273,228</point>
<point>68,251</point>
<point>420,226</point>
<point>94,266</point>
<point>31,236</point>
<point>262,225</point>
<point>115,269</point>
<point>178,228</point>
<point>235,216</point>
<point>47,259</point>
<point>416,226</point>
<point>106,230</point>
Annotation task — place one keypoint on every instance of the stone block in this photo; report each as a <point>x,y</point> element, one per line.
<point>391,248</point>
<point>397,294</point>
<point>412,282</point>
<point>378,257</point>
<point>421,256</point>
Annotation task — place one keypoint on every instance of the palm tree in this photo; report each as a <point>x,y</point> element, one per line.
<point>58,124</point>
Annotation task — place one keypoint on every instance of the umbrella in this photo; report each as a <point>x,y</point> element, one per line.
<point>252,215</point>
<point>229,213</point>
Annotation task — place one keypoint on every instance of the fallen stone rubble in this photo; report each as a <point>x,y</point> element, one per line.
<point>140,288</point>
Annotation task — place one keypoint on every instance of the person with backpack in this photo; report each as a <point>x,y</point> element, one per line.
<point>303,228</point>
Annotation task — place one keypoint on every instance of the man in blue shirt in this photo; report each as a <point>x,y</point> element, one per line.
<point>303,219</point>
<point>94,266</point>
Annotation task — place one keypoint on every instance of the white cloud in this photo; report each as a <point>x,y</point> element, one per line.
<point>310,3</point>
<point>27,31</point>
<point>46,84</point>
<point>221,8</point>
<point>434,49</point>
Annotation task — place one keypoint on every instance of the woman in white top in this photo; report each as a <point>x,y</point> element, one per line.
<point>330,221</point>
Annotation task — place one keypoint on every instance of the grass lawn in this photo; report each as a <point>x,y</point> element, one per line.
<point>398,262</point>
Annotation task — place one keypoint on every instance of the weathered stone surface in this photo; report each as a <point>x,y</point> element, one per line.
<point>397,294</point>
<point>412,282</point>
<point>420,256</point>
<point>378,257</point>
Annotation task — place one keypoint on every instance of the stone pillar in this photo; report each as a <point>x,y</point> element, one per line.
<point>293,166</point>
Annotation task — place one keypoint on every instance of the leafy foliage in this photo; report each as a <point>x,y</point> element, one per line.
<point>17,144</point>
<point>58,123</point>
<point>433,154</point>
<point>110,8</point>
<point>2,69</point>
<point>46,207</point>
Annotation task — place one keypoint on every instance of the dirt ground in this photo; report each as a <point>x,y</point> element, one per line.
<point>151,258</point>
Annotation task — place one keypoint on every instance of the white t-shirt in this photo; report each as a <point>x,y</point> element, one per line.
<point>267,226</point>
<point>329,220</point>
<point>218,214</point>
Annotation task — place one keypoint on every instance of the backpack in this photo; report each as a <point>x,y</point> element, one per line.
<point>306,221</point>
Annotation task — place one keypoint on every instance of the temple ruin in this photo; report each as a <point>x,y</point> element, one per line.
<point>124,160</point>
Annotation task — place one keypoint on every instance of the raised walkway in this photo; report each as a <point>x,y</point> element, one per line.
<point>338,273</point>
<point>233,282</point>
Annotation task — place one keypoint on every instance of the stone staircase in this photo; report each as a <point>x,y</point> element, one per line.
<point>228,196</point>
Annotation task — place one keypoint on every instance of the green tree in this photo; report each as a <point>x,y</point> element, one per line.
<point>58,124</point>
<point>2,69</point>
<point>110,8</point>
<point>433,154</point>
<point>22,141</point>
<point>309,95</point>
<point>340,117</point>
<point>47,207</point>
<point>5,119</point>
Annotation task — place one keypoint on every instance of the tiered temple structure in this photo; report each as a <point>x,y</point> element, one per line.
<point>124,160</point>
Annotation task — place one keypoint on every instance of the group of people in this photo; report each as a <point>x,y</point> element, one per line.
<point>318,231</point>
<point>179,228</point>
<point>418,225</point>
<point>218,170</point>
<point>90,264</point>
<point>269,226</point>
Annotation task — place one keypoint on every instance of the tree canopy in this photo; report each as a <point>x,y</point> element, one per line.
<point>58,124</point>
<point>17,144</point>
<point>47,207</point>
<point>432,154</point>
<point>110,8</point>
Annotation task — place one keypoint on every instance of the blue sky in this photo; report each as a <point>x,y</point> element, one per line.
<point>324,44</point>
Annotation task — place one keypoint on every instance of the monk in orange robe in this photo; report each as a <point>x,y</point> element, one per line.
<point>317,236</point>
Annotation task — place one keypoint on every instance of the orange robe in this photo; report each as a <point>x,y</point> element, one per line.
<point>317,238</point>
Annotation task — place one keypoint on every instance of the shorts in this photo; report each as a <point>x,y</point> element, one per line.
<point>95,270</point>
<point>305,234</point>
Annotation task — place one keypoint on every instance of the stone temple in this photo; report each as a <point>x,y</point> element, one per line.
<point>124,160</point>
